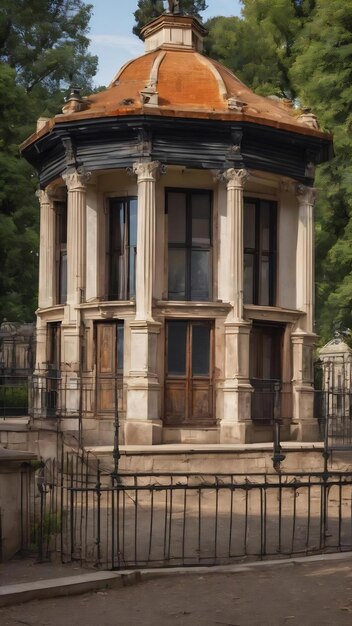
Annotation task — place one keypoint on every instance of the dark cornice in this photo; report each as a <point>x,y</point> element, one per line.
<point>116,142</point>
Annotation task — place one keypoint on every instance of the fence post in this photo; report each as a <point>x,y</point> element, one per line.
<point>98,492</point>
<point>278,457</point>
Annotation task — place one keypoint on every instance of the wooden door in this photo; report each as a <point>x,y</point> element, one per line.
<point>189,373</point>
<point>265,365</point>
<point>109,365</point>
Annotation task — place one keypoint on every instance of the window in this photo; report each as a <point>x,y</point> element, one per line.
<point>189,244</point>
<point>122,248</point>
<point>259,252</point>
<point>60,208</point>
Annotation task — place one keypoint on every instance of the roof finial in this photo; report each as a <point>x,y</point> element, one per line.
<point>174,7</point>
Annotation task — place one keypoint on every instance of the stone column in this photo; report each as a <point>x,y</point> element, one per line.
<point>305,256</point>
<point>143,423</point>
<point>92,243</point>
<point>76,281</point>
<point>145,263</point>
<point>76,238</point>
<point>235,183</point>
<point>304,425</point>
<point>236,422</point>
<point>47,250</point>
<point>46,298</point>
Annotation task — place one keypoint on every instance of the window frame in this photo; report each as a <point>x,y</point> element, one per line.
<point>188,246</point>
<point>61,222</point>
<point>128,292</point>
<point>258,254</point>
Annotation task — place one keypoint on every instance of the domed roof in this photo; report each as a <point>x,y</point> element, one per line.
<point>173,79</point>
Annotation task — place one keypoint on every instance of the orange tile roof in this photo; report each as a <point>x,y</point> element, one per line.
<point>188,85</point>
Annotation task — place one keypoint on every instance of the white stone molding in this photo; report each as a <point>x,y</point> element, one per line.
<point>46,249</point>
<point>147,173</point>
<point>76,183</point>
<point>236,180</point>
<point>305,255</point>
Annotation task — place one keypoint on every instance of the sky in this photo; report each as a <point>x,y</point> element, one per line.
<point>111,32</point>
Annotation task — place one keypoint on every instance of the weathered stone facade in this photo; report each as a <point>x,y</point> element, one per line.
<point>177,255</point>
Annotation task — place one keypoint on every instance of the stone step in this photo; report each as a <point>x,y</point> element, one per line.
<point>213,459</point>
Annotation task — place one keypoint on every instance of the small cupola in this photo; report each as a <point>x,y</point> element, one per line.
<point>174,30</point>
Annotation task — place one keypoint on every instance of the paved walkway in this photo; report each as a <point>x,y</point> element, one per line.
<point>304,593</point>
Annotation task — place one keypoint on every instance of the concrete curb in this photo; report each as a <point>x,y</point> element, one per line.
<point>65,586</point>
<point>75,585</point>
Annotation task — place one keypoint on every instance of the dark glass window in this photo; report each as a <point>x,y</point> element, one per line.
<point>190,246</point>
<point>200,349</point>
<point>60,208</point>
<point>176,348</point>
<point>259,252</point>
<point>122,248</point>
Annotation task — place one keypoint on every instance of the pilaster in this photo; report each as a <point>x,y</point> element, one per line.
<point>304,425</point>
<point>236,422</point>
<point>143,424</point>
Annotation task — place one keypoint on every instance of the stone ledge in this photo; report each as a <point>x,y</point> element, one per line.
<point>180,448</point>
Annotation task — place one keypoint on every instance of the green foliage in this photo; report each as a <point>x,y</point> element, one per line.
<point>259,46</point>
<point>51,526</point>
<point>322,73</point>
<point>303,49</point>
<point>13,399</point>
<point>43,48</point>
<point>149,9</point>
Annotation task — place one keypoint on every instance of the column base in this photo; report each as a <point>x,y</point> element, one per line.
<point>306,430</point>
<point>142,432</point>
<point>235,432</point>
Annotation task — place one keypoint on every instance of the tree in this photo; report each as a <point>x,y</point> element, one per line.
<point>43,47</point>
<point>149,9</point>
<point>18,206</point>
<point>46,42</point>
<point>322,74</point>
<point>273,25</point>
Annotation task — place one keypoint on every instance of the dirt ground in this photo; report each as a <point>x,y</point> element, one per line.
<point>311,594</point>
<point>27,570</point>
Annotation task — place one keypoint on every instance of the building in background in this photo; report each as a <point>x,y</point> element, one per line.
<point>176,254</point>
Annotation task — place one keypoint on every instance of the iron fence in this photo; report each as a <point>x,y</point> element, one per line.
<point>75,396</point>
<point>88,515</point>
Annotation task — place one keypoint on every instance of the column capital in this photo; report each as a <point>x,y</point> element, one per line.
<point>147,170</point>
<point>234,178</point>
<point>46,196</point>
<point>76,181</point>
<point>306,195</point>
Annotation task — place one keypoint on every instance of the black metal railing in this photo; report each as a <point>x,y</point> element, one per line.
<point>168,519</point>
<point>75,396</point>
<point>266,399</point>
